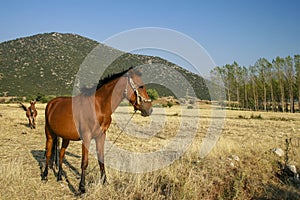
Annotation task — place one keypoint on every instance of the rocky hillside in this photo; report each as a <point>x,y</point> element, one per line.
<point>47,64</point>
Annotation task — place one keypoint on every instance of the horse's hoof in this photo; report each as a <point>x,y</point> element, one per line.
<point>44,176</point>
<point>79,194</point>
<point>103,179</point>
<point>59,177</point>
<point>44,179</point>
<point>81,190</point>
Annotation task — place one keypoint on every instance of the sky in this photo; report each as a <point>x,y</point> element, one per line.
<point>228,30</point>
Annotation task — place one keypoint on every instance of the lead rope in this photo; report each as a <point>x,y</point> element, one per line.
<point>115,139</point>
<point>121,131</point>
<point>125,94</point>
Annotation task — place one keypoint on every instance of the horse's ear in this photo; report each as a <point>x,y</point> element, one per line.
<point>130,72</point>
<point>138,71</point>
<point>134,71</point>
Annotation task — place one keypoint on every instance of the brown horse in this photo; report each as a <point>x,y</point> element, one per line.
<point>87,116</point>
<point>31,113</point>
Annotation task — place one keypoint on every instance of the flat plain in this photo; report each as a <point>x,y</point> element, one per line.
<point>241,164</point>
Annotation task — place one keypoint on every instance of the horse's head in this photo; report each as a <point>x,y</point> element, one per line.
<point>136,93</point>
<point>32,105</point>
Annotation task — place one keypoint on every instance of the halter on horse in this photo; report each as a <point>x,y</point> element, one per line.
<point>31,113</point>
<point>87,116</point>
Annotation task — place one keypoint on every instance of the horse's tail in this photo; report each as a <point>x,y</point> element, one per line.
<point>23,106</point>
<point>54,154</point>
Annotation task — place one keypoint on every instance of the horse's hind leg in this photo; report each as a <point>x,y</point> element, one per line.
<point>28,115</point>
<point>49,144</point>
<point>33,122</point>
<point>64,146</point>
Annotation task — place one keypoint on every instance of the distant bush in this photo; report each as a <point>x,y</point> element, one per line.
<point>190,107</point>
<point>153,94</point>
<point>192,101</point>
<point>242,117</point>
<point>281,119</point>
<point>16,100</point>
<point>169,104</point>
<point>46,98</point>
<point>256,116</point>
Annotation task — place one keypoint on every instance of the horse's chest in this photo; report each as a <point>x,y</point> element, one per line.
<point>32,112</point>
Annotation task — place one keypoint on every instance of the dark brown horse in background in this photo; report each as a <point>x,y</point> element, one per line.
<point>31,113</point>
<point>88,116</point>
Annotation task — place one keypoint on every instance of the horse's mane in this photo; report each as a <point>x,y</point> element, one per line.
<point>103,81</point>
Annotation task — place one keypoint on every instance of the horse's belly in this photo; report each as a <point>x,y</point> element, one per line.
<point>64,129</point>
<point>60,120</point>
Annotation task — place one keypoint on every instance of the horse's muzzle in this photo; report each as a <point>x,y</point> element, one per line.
<point>146,112</point>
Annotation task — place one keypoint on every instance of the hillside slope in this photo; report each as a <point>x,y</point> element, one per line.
<point>47,64</point>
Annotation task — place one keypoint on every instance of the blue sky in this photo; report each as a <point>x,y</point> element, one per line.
<point>229,30</point>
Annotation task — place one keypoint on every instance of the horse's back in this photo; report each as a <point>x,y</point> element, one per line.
<point>59,118</point>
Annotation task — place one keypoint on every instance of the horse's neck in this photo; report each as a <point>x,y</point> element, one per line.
<point>111,94</point>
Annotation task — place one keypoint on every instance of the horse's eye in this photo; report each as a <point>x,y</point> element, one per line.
<point>141,86</point>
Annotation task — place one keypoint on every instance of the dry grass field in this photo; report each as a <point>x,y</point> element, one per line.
<point>240,166</point>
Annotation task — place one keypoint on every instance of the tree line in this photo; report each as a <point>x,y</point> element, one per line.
<point>265,85</point>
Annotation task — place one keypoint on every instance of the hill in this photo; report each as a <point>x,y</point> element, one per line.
<point>48,63</point>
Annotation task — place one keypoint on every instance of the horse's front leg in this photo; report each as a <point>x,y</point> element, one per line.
<point>84,163</point>
<point>100,153</point>
<point>30,122</point>
<point>49,144</point>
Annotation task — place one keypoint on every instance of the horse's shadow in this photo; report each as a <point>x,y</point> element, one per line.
<point>25,124</point>
<point>39,156</point>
